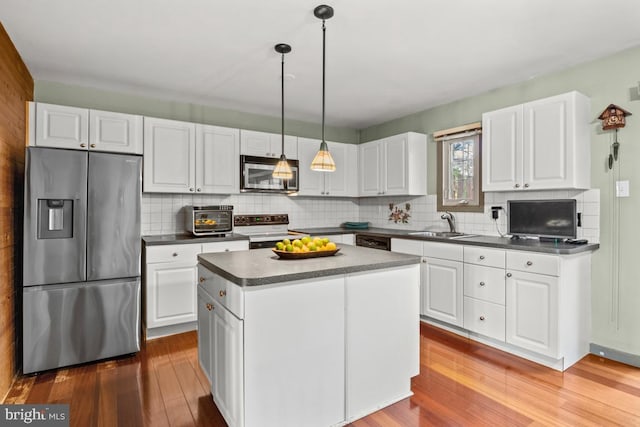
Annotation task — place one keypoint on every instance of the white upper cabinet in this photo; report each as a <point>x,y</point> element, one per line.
<point>59,126</point>
<point>183,157</point>
<point>217,159</point>
<point>342,182</point>
<point>263,144</point>
<point>396,165</point>
<point>115,132</point>
<point>169,156</point>
<point>539,145</point>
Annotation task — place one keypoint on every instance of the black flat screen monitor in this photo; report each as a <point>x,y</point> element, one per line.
<point>554,219</point>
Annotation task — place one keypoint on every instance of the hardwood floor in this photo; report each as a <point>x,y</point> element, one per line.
<point>461,383</point>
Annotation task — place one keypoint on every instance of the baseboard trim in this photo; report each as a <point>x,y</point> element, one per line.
<point>616,355</point>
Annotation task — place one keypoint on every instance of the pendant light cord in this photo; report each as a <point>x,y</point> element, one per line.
<point>282,103</point>
<point>324,60</point>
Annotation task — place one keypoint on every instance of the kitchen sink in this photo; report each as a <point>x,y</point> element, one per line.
<point>441,234</point>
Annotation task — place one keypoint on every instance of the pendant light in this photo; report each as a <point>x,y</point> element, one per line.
<point>282,169</point>
<point>323,161</point>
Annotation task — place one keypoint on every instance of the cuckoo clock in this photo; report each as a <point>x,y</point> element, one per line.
<point>613,117</point>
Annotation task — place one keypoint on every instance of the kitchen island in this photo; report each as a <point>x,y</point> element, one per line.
<point>313,342</point>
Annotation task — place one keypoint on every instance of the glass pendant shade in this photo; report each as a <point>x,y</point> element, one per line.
<point>323,161</point>
<point>282,170</point>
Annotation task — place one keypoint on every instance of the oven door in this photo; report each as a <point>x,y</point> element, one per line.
<point>207,222</point>
<point>256,175</point>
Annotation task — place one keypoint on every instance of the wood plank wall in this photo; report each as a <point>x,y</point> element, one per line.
<point>16,87</point>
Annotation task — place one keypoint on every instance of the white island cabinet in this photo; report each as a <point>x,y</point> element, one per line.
<point>316,342</point>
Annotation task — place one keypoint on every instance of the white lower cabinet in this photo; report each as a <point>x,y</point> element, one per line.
<point>531,304</point>
<point>316,352</point>
<point>532,312</point>
<point>227,368</point>
<point>442,290</point>
<point>345,239</point>
<point>205,331</point>
<point>170,285</point>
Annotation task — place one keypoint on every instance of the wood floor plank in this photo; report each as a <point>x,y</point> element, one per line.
<point>461,383</point>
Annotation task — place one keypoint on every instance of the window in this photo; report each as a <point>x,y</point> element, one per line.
<point>459,169</point>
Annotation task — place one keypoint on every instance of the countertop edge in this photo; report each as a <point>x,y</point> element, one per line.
<point>185,239</point>
<point>283,278</point>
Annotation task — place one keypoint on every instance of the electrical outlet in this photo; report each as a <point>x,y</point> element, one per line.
<point>622,188</point>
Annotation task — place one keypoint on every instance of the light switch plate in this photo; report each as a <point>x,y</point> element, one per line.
<point>622,188</point>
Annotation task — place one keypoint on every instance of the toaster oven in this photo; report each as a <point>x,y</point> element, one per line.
<point>209,220</point>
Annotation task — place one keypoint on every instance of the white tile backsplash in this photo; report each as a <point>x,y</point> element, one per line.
<point>162,213</point>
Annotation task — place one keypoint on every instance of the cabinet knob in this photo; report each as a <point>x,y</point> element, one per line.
<point>482,318</point>
<point>199,190</point>
<point>226,250</point>
<point>529,263</point>
<point>481,256</point>
<point>508,274</point>
<point>209,306</point>
<point>424,260</point>
<point>526,186</point>
<point>83,145</point>
<point>191,189</point>
<point>517,186</point>
<point>175,254</point>
<point>222,293</point>
<point>327,193</point>
<point>482,283</point>
<point>92,145</point>
<point>202,279</point>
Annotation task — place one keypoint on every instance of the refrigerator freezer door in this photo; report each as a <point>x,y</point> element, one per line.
<point>55,216</point>
<point>114,205</point>
<point>79,322</point>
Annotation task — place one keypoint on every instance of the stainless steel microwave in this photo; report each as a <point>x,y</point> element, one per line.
<point>255,175</point>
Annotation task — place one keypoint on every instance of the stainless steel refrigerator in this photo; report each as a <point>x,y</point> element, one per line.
<point>81,271</point>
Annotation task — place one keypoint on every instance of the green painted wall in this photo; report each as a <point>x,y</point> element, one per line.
<point>86,97</point>
<point>614,79</point>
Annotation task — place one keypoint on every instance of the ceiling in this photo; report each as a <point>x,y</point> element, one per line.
<point>385,59</point>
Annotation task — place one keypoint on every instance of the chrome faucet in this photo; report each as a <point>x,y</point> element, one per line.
<point>451,220</point>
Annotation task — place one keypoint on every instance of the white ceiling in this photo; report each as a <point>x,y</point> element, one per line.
<point>385,59</point>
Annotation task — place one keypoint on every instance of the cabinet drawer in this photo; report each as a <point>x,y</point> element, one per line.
<point>484,283</point>
<point>222,290</point>
<point>484,318</point>
<point>173,253</point>
<point>233,245</point>
<point>448,251</point>
<point>484,256</point>
<point>406,246</point>
<point>533,262</point>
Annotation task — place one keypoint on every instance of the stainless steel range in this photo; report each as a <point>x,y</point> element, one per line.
<point>264,230</point>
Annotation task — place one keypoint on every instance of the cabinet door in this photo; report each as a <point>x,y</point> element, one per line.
<point>311,182</point>
<point>265,144</point>
<point>115,132</point>
<point>217,159</point>
<point>370,168</point>
<point>205,329</point>
<point>502,149</point>
<point>547,143</point>
<point>62,127</point>
<point>171,293</point>
<point>344,180</point>
<point>532,312</point>
<point>442,290</point>
<point>228,370</point>
<point>394,168</point>
<point>169,156</point>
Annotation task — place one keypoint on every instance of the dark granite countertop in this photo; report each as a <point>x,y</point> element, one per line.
<point>262,266</point>
<point>176,239</point>
<point>532,245</point>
